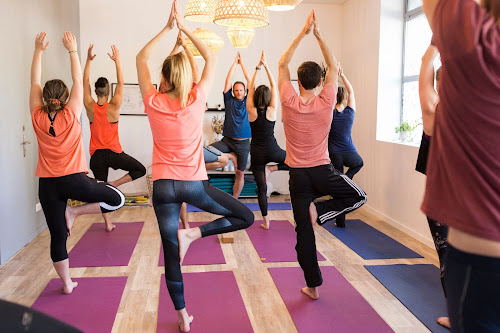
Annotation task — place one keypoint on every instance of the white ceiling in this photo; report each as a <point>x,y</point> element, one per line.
<point>330,2</point>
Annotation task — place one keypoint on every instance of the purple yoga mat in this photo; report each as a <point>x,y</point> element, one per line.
<point>98,248</point>
<point>340,307</point>
<point>204,251</point>
<point>252,206</point>
<point>213,298</point>
<point>276,244</point>
<point>91,307</point>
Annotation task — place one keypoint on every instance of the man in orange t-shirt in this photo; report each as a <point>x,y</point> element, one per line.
<point>306,120</point>
<point>105,149</point>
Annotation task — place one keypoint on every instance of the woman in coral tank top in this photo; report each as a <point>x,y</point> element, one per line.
<point>105,149</point>
<point>55,114</point>
<point>179,174</point>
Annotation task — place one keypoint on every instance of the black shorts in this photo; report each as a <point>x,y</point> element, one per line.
<point>240,148</point>
<point>103,159</point>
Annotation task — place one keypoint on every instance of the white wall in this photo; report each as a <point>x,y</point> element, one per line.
<point>389,178</point>
<point>20,21</point>
<point>133,23</point>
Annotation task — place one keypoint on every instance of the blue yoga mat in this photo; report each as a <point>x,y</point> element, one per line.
<point>368,242</point>
<point>418,287</point>
<point>253,206</point>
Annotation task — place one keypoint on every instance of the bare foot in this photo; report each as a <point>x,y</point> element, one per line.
<point>68,289</point>
<point>311,292</point>
<point>268,172</point>
<point>70,219</point>
<point>313,213</point>
<point>185,225</point>
<point>266,224</point>
<point>184,325</point>
<point>109,228</point>
<point>444,321</point>
<point>185,237</point>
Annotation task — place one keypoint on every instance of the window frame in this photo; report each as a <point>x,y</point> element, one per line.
<point>408,16</point>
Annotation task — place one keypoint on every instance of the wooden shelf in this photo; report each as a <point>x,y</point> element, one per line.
<point>222,173</point>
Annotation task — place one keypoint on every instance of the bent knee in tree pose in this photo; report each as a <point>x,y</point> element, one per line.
<point>103,114</point>
<point>179,173</point>
<point>306,119</point>
<point>62,168</point>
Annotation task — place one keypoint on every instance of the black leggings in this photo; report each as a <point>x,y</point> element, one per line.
<point>103,159</point>
<point>259,159</point>
<point>439,234</point>
<point>168,196</point>
<point>352,160</point>
<point>54,194</point>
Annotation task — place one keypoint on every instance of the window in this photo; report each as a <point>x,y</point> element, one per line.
<point>417,37</point>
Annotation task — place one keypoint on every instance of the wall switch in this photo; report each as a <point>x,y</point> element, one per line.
<point>38,207</point>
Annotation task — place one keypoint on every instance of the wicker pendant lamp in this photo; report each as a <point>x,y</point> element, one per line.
<point>281,5</point>
<point>240,37</point>
<point>241,13</point>
<point>214,42</point>
<point>200,10</point>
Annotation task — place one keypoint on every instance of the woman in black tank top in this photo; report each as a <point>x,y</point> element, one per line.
<point>261,107</point>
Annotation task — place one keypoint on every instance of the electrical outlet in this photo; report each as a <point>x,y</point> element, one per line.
<point>38,207</point>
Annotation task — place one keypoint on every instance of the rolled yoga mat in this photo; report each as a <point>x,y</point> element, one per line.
<point>252,206</point>
<point>204,251</point>
<point>340,308</point>
<point>418,287</point>
<point>368,242</point>
<point>276,244</point>
<point>213,298</point>
<point>92,306</point>
<point>98,248</point>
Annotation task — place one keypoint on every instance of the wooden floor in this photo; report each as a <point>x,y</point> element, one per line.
<point>24,277</point>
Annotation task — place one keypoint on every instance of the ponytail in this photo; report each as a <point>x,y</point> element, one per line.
<point>177,71</point>
<point>55,94</point>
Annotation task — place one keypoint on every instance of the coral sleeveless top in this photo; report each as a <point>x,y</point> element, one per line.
<point>103,134</point>
<point>62,154</point>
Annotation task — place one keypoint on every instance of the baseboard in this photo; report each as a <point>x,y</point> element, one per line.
<point>423,239</point>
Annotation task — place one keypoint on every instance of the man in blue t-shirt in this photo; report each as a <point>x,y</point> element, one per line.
<point>236,132</point>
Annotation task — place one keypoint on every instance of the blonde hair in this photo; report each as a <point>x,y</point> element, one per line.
<point>177,72</point>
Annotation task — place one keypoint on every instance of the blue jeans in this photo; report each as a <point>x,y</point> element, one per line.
<point>473,291</point>
<point>168,196</point>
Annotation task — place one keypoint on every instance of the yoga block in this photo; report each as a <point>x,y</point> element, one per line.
<point>227,238</point>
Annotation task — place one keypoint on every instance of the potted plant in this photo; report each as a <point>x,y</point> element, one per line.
<point>405,131</point>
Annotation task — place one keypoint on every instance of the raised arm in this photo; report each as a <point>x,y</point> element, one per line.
<point>284,71</point>
<point>244,69</point>
<point>88,101</point>
<point>143,73</point>
<point>429,7</point>
<point>272,84</point>
<point>332,67</point>
<point>208,74</point>
<point>76,95</point>
<point>36,98</point>
<point>351,100</point>
<point>116,101</point>
<point>192,60</point>
<point>251,108</point>
<point>229,78</point>
<point>429,99</point>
